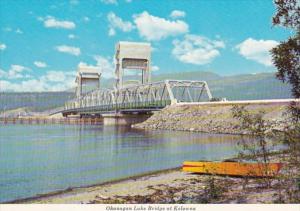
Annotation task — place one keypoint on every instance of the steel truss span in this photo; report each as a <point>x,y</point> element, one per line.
<point>139,98</point>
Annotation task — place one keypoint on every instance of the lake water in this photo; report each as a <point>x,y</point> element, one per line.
<point>36,159</point>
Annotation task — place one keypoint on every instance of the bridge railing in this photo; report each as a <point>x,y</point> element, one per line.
<point>144,96</point>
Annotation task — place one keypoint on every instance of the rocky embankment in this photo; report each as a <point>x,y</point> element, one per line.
<point>216,118</point>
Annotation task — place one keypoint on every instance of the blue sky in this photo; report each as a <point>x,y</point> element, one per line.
<point>42,42</point>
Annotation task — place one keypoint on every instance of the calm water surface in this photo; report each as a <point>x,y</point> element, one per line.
<point>36,159</point>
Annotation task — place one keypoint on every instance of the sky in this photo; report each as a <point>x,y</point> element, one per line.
<point>42,42</point>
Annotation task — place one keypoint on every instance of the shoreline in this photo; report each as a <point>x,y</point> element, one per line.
<point>74,188</point>
<point>172,186</point>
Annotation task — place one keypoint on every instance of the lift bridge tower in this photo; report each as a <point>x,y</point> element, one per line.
<point>132,56</point>
<point>122,104</point>
<point>87,79</point>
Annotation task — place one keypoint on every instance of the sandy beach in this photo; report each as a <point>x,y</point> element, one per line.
<point>169,186</point>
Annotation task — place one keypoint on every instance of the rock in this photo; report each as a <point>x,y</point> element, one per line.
<point>207,119</point>
<point>102,197</point>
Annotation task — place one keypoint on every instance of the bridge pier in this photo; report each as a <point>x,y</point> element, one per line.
<point>124,119</point>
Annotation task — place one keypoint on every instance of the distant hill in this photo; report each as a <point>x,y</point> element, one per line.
<point>250,87</point>
<point>33,101</point>
<point>236,87</point>
<point>200,75</point>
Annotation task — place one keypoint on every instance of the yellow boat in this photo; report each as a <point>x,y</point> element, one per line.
<point>233,168</point>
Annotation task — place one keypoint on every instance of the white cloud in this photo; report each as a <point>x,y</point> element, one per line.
<point>2,46</point>
<point>155,28</point>
<point>15,72</point>
<point>196,49</point>
<point>55,76</point>
<point>51,81</point>
<point>86,19</point>
<point>19,31</point>
<point>39,18</point>
<point>106,66</point>
<point>116,22</point>
<point>28,85</point>
<point>6,86</point>
<point>257,50</point>
<point>51,22</point>
<point>154,68</point>
<point>7,29</point>
<point>74,2</point>
<point>71,36</point>
<point>2,73</point>
<point>32,85</point>
<point>110,2</point>
<point>40,64</point>
<point>18,68</point>
<point>111,32</point>
<point>177,14</point>
<point>58,80</point>
<point>68,49</point>
<point>83,64</point>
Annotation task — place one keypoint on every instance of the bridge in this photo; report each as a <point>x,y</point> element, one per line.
<point>130,99</point>
<point>140,98</point>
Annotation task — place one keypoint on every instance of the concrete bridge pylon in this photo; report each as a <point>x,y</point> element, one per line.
<point>132,56</point>
<point>130,103</point>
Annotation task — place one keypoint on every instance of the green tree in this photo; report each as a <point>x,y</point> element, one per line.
<point>286,56</point>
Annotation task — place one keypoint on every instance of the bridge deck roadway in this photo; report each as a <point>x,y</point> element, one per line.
<point>139,98</point>
<point>146,109</point>
<point>125,111</point>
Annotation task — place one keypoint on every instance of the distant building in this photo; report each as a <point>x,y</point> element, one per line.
<point>87,79</point>
<point>132,56</point>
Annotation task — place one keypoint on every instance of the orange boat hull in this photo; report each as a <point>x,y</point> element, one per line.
<point>233,168</point>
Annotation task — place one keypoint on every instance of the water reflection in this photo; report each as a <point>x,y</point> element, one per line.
<point>42,158</point>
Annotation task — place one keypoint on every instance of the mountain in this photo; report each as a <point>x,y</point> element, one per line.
<point>200,75</point>
<point>250,87</point>
<point>33,101</point>
<point>236,87</point>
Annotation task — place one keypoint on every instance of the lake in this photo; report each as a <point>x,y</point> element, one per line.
<point>37,159</point>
